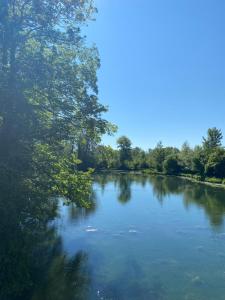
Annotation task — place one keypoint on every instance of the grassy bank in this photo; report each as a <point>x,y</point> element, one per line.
<point>217,182</point>
<point>212,181</point>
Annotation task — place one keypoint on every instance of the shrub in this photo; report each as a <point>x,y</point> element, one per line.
<point>198,177</point>
<point>171,165</point>
<point>214,180</point>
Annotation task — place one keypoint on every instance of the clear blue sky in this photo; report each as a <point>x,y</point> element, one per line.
<point>162,68</point>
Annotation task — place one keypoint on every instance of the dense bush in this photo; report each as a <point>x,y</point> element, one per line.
<point>215,166</point>
<point>171,165</point>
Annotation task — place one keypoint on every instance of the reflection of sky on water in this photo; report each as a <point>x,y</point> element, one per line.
<point>156,237</point>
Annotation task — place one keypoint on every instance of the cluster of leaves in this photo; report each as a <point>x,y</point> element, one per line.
<point>206,160</point>
<point>62,177</point>
<point>49,106</point>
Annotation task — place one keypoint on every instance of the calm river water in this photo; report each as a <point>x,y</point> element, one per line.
<point>145,237</point>
<point>149,238</point>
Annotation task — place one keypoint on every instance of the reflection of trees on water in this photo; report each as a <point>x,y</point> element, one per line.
<point>122,181</point>
<point>124,184</point>
<point>79,213</point>
<point>102,179</point>
<point>164,186</point>
<point>33,264</point>
<point>211,199</point>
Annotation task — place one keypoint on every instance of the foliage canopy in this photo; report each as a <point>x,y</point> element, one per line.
<point>48,94</point>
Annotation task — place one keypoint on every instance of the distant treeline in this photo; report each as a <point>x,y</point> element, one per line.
<point>205,160</point>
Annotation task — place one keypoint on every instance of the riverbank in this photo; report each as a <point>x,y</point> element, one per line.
<point>190,177</point>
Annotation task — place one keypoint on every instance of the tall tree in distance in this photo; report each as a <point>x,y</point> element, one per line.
<point>213,139</point>
<point>157,157</point>
<point>124,146</point>
<point>186,156</point>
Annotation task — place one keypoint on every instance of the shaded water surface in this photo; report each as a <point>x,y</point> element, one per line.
<point>145,237</point>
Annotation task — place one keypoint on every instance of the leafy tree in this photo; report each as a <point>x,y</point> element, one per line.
<point>157,157</point>
<point>106,157</point>
<point>171,165</point>
<point>124,145</point>
<point>139,160</point>
<point>171,151</point>
<point>199,161</point>
<point>213,139</point>
<point>48,94</point>
<point>186,156</point>
<point>215,166</point>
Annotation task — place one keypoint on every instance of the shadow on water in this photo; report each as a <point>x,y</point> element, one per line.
<point>76,214</point>
<point>134,290</point>
<point>210,199</point>
<point>131,284</point>
<point>33,264</point>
